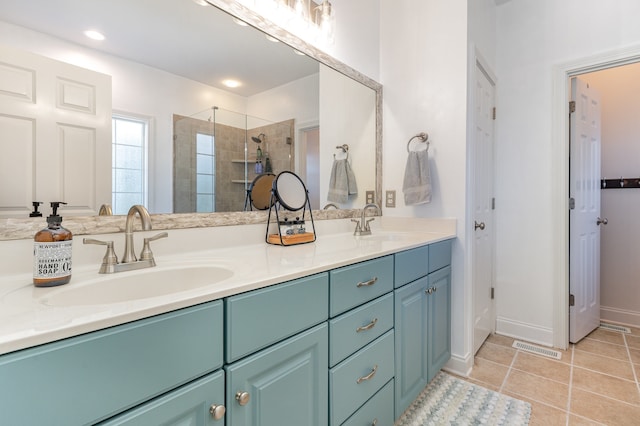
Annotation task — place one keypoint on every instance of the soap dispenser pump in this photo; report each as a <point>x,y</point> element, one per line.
<point>52,249</point>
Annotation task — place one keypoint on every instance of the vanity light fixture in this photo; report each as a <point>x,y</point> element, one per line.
<point>311,20</point>
<point>94,35</point>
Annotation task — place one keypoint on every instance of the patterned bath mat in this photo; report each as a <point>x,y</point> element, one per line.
<point>451,401</point>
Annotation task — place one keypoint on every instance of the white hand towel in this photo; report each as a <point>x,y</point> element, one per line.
<point>417,179</point>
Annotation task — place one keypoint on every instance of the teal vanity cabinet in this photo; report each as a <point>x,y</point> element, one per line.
<point>92,377</point>
<point>361,343</point>
<point>422,319</point>
<point>277,354</point>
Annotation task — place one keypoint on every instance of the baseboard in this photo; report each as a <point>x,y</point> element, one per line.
<point>459,365</point>
<point>620,316</point>
<point>528,332</point>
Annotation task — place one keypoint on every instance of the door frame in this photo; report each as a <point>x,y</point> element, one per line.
<point>562,74</point>
<point>476,61</point>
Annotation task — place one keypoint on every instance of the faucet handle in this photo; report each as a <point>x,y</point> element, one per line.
<point>357,221</point>
<point>146,253</point>
<point>366,226</point>
<point>110,260</point>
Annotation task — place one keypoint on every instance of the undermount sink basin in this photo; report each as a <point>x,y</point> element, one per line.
<point>126,286</point>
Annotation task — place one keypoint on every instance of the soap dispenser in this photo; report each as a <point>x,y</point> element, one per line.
<point>52,252</point>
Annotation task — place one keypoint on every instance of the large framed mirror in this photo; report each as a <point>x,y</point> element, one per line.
<point>292,94</point>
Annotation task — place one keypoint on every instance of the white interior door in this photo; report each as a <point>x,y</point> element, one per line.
<point>55,122</point>
<point>584,220</point>
<point>483,236</point>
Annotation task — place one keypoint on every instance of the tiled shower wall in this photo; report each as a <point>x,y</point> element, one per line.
<point>229,151</point>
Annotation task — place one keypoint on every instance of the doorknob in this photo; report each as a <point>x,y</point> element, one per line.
<point>479,225</point>
<point>602,221</point>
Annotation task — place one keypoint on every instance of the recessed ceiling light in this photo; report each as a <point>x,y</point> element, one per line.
<point>297,52</point>
<point>94,35</point>
<point>273,39</point>
<point>232,83</point>
<point>201,2</point>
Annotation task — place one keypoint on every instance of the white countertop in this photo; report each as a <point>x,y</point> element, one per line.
<point>28,319</point>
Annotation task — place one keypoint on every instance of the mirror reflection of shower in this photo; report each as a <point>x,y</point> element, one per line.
<point>218,153</point>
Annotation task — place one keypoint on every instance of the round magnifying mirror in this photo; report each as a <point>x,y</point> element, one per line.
<point>260,191</point>
<point>290,191</point>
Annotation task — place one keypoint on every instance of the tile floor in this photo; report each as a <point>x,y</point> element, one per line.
<point>595,382</point>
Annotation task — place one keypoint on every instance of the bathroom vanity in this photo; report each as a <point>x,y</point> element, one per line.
<point>345,330</point>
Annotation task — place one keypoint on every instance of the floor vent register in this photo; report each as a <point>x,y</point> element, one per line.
<point>538,350</point>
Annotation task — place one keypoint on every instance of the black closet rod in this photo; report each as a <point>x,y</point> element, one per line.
<point>620,183</point>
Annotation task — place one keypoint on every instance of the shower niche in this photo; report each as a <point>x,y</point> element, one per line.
<point>218,153</point>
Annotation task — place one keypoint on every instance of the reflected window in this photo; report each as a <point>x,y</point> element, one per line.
<point>129,163</point>
<point>205,173</point>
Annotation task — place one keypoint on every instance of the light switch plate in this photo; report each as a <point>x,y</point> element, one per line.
<point>370,195</point>
<point>390,197</point>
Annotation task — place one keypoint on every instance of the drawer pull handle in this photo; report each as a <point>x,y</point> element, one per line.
<point>368,326</point>
<point>369,283</point>
<point>368,376</point>
<point>217,411</point>
<point>243,398</point>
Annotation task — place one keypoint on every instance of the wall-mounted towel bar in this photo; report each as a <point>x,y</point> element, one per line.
<point>423,137</point>
<point>620,183</point>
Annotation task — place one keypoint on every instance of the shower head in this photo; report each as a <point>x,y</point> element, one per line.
<point>259,138</point>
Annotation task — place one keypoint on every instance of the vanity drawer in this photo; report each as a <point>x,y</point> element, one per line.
<point>354,285</point>
<point>439,255</point>
<point>88,378</point>
<point>259,318</point>
<point>411,265</point>
<point>376,411</point>
<point>354,329</point>
<point>356,379</point>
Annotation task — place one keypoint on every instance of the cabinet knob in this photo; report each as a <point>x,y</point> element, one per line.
<point>217,411</point>
<point>243,398</point>
<point>430,290</point>
<point>375,422</point>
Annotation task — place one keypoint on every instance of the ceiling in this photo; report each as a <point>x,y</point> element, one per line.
<point>179,36</point>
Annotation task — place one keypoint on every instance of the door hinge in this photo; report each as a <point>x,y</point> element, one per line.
<point>572,300</point>
<point>572,106</point>
<point>493,113</point>
<point>493,293</point>
<point>572,203</point>
<point>493,203</point>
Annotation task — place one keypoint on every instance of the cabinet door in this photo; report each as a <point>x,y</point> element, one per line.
<point>189,405</point>
<point>285,384</point>
<point>411,342</point>
<point>439,320</point>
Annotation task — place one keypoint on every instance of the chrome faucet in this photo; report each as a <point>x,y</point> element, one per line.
<point>129,261</point>
<point>362,225</point>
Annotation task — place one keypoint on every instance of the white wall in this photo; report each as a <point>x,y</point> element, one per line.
<point>532,37</point>
<point>619,89</point>
<point>423,68</point>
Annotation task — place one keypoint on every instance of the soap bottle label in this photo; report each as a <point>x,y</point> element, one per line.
<point>52,260</point>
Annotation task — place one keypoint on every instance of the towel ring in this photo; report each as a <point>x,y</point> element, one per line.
<point>423,138</point>
<point>345,150</point>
